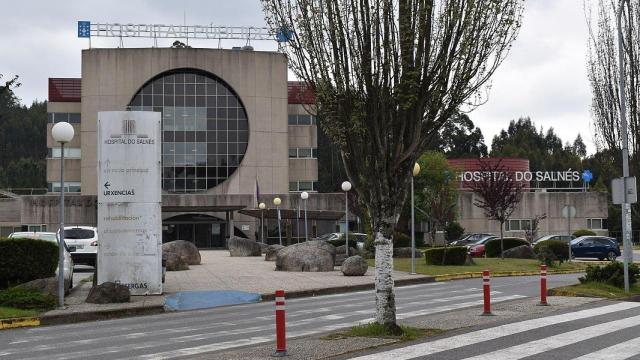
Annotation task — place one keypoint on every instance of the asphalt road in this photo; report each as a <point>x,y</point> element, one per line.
<point>190,333</point>
<point>600,331</point>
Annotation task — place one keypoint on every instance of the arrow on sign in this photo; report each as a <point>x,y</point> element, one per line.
<point>106,185</point>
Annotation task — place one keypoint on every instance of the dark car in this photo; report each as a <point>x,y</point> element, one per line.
<point>600,247</point>
<point>470,239</point>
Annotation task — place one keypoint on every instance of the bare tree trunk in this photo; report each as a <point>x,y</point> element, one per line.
<point>385,297</point>
<point>501,242</point>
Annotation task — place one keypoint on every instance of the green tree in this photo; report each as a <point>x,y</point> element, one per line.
<point>436,192</point>
<point>387,76</point>
<point>459,138</point>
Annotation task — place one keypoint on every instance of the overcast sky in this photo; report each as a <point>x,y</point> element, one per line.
<point>544,77</point>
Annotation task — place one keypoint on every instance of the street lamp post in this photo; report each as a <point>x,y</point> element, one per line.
<point>277,203</point>
<point>304,196</point>
<point>626,207</point>
<point>346,186</point>
<point>62,133</point>
<point>262,206</point>
<point>414,173</point>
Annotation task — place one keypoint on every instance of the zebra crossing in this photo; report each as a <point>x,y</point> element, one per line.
<point>590,334</point>
<point>187,334</point>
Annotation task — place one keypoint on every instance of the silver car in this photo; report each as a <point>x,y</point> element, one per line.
<point>49,236</point>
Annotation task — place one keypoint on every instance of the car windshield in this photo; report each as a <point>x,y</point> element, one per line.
<point>575,241</point>
<point>78,233</point>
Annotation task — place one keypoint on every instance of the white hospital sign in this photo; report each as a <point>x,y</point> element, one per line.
<point>540,176</point>
<point>129,201</point>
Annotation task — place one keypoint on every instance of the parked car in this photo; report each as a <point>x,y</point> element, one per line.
<point>565,238</point>
<point>83,244</point>
<point>477,249</point>
<point>600,247</point>
<point>470,239</point>
<point>49,236</point>
<point>329,236</point>
<point>357,238</point>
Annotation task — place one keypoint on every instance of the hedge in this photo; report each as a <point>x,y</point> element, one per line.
<point>23,260</point>
<point>552,250</point>
<point>492,248</point>
<point>583,232</point>
<point>612,274</point>
<point>453,255</point>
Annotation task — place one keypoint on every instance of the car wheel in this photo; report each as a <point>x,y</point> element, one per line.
<point>611,256</point>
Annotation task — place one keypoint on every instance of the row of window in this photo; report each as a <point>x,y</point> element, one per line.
<point>303,186</point>
<point>69,153</point>
<point>69,186</point>
<point>525,224</point>
<point>303,153</point>
<point>73,118</point>
<point>295,119</point>
<point>5,231</point>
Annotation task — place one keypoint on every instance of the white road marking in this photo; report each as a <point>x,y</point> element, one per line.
<point>553,342</point>
<point>458,341</point>
<point>619,351</point>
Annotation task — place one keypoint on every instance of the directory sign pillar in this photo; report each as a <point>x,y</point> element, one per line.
<point>129,201</point>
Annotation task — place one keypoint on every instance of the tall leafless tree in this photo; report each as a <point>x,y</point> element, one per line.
<point>603,71</point>
<point>498,194</point>
<point>387,75</point>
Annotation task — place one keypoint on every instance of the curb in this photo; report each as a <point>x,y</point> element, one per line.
<point>99,315</point>
<point>19,322</point>
<point>345,289</point>
<point>478,274</point>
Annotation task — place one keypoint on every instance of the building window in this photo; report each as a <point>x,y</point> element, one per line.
<point>69,153</point>
<point>205,130</point>
<point>69,186</point>
<point>597,224</point>
<point>5,231</point>
<point>518,224</point>
<point>303,153</point>
<point>73,118</point>
<point>299,186</point>
<point>295,119</point>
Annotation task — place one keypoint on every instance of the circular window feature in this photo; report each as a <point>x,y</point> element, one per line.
<point>205,130</point>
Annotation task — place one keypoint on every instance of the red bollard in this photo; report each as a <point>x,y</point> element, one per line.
<point>281,339</point>
<point>543,286</point>
<point>486,287</point>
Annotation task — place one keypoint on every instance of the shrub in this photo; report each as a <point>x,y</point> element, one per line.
<point>453,231</point>
<point>23,260</point>
<point>26,299</point>
<point>492,248</point>
<point>401,240</point>
<point>583,232</point>
<point>453,255</point>
<point>612,274</point>
<point>552,250</point>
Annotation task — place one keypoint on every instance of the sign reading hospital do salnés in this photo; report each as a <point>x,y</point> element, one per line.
<point>129,200</point>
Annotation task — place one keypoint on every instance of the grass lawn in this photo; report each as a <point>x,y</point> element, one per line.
<point>9,312</point>
<point>596,289</point>
<point>375,330</point>
<point>495,265</point>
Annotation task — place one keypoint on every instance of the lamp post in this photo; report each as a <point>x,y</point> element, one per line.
<point>262,206</point>
<point>62,133</point>
<point>626,207</point>
<point>346,186</point>
<point>277,203</point>
<point>304,196</point>
<point>414,173</point>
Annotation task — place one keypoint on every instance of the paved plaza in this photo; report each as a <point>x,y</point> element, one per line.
<point>219,271</point>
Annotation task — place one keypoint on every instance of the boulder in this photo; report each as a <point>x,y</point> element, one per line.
<point>520,252</point>
<point>185,249</point>
<point>354,266</point>
<point>244,247</point>
<point>312,256</point>
<point>47,286</point>
<point>272,251</point>
<point>173,262</point>
<point>405,252</point>
<point>108,293</point>
<point>341,254</point>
